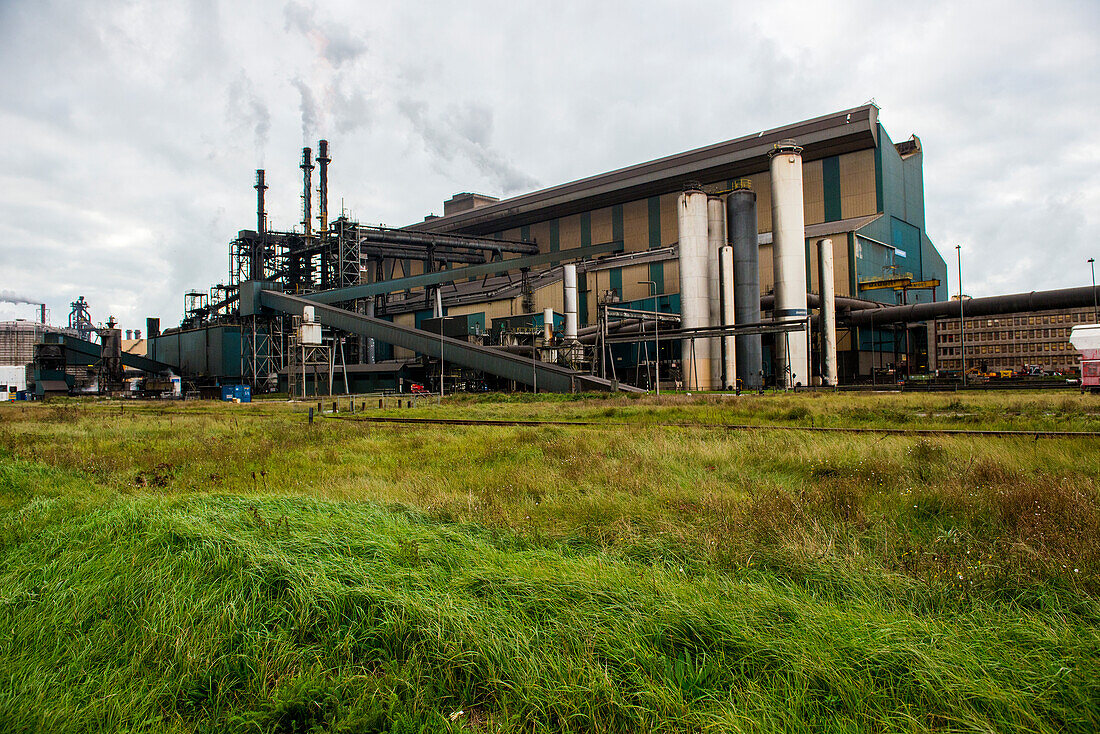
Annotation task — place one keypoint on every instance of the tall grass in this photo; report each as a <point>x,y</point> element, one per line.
<point>212,568</point>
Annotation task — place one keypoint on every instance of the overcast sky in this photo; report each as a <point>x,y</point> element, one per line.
<point>131,130</point>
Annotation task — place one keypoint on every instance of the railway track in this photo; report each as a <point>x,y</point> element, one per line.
<point>719,427</point>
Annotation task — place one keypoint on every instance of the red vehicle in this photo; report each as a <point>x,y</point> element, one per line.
<point>417,389</point>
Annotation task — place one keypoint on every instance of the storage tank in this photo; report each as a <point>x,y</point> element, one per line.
<point>728,346</point>
<point>789,261</point>
<point>569,300</point>
<point>742,228</point>
<point>694,287</point>
<point>716,240</point>
<point>828,312</point>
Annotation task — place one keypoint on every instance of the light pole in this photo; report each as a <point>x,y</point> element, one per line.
<point>656,334</point>
<point>962,328</point>
<point>1095,311</point>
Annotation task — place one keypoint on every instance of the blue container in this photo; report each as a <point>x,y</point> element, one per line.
<point>240,392</point>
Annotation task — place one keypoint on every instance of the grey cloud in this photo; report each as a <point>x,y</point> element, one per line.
<point>337,43</point>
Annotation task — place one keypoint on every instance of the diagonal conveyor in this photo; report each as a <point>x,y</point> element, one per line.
<point>546,376</point>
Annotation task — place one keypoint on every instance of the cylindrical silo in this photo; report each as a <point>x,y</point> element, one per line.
<point>828,311</point>
<point>742,227</point>
<point>547,324</point>
<point>789,262</point>
<point>729,317</point>
<point>569,300</point>
<point>694,287</point>
<point>716,240</point>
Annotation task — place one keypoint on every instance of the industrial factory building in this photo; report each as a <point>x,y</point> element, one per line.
<point>791,257</point>
<point>858,189</point>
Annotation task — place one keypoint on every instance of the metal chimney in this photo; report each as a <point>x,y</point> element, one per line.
<point>322,185</point>
<point>307,206</point>
<point>42,313</point>
<point>261,213</point>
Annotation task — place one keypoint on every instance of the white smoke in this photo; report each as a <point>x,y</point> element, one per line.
<point>308,108</point>
<point>13,297</point>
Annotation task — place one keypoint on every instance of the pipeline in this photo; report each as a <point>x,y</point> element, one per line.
<point>1081,297</point>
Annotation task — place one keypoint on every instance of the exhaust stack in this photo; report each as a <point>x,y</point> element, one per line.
<point>307,206</point>
<point>789,261</point>
<point>322,185</point>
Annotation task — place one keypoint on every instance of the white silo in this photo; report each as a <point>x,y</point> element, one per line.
<point>789,262</point>
<point>694,287</point>
<point>828,312</point>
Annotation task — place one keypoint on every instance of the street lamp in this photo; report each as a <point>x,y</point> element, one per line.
<point>656,334</point>
<point>1095,311</point>
<point>962,328</point>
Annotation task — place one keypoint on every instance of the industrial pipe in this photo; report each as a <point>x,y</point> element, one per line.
<point>322,185</point>
<point>991,306</point>
<point>307,206</point>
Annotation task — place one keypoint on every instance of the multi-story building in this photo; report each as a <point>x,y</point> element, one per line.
<point>860,189</point>
<point>1011,341</point>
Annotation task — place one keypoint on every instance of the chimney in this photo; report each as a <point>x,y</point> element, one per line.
<point>322,185</point>
<point>307,206</point>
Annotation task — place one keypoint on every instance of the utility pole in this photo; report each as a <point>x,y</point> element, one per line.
<point>962,327</point>
<point>656,333</point>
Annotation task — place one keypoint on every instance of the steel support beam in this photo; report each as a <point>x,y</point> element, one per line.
<point>367,290</point>
<point>545,376</point>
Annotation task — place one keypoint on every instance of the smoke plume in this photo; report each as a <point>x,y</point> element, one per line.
<point>465,131</point>
<point>13,297</point>
<point>308,108</point>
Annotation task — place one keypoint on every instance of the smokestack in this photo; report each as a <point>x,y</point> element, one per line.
<point>742,227</point>
<point>729,317</point>
<point>716,239</point>
<point>307,206</point>
<point>789,261</point>
<point>322,185</point>
<point>694,287</point>
<point>828,312</point>
<point>137,334</point>
<point>129,334</point>
<point>152,328</point>
<point>42,313</point>
<point>256,255</point>
<point>569,300</point>
<point>261,212</point>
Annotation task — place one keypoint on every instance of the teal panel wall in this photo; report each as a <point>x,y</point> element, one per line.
<point>555,241</point>
<point>830,180</point>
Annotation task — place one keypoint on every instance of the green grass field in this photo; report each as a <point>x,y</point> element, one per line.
<point>202,567</point>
